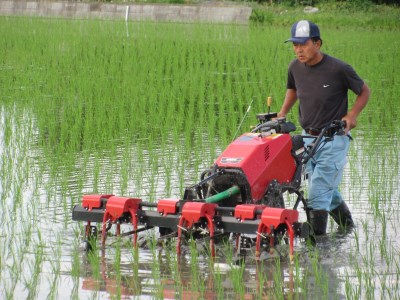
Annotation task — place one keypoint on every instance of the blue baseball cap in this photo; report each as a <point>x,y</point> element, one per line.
<point>302,31</point>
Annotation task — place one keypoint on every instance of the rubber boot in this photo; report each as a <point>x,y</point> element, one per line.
<point>318,221</point>
<point>342,216</point>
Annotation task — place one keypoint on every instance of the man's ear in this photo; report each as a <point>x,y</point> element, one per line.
<point>318,43</point>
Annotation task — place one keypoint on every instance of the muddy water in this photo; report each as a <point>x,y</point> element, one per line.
<point>42,257</point>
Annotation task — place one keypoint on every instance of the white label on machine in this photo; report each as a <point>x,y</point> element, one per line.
<point>231,160</point>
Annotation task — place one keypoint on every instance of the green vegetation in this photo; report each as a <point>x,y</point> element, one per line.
<point>331,14</point>
<point>354,4</point>
<point>140,109</point>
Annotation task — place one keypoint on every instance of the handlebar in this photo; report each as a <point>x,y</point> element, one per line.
<point>280,125</point>
<point>269,122</point>
<point>337,127</point>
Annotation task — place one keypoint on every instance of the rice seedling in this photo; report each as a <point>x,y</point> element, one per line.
<point>33,282</point>
<point>55,264</point>
<point>94,260</point>
<point>76,260</point>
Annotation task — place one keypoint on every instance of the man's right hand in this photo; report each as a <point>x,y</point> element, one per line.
<point>281,115</point>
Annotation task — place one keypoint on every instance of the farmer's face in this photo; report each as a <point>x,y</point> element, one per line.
<point>308,53</point>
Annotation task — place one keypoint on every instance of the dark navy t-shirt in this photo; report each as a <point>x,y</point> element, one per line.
<point>322,90</point>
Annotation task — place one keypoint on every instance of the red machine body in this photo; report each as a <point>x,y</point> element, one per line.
<point>261,159</point>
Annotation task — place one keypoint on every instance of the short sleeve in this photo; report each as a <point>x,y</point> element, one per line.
<point>291,84</point>
<point>354,82</point>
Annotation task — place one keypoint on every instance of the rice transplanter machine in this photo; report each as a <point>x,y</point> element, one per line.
<point>241,194</point>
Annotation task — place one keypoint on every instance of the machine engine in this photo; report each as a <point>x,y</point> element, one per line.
<point>261,163</point>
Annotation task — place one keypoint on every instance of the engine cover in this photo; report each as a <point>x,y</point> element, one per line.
<point>261,159</point>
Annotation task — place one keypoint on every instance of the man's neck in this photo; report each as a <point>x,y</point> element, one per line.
<point>317,59</point>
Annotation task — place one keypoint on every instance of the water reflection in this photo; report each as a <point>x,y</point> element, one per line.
<point>159,273</point>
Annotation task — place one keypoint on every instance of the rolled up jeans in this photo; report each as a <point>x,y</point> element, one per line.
<point>324,172</point>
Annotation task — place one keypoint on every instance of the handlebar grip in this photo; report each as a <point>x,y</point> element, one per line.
<point>339,124</point>
<point>336,127</point>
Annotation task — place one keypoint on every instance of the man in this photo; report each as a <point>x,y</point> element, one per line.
<point>321,84</point>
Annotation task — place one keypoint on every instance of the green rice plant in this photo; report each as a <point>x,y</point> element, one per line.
<point>176,272</point>
<point>262,281</point>
<point>155,269</point>
<point>55,263</point>
<point>34,281</point>
<point>352,291</point>
<point>194,266</point>
<point>318,274</point>
<point>298,280</point>
<point>117,256</point>
<point>76,261</point>
<point>218,285</point>
<point>94,260</point>
<point>236,276</point>
<point>277,277</point>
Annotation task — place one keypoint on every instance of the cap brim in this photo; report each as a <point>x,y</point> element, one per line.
<point>299,40</point>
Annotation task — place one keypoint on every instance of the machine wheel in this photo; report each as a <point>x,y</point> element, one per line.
<point>274,196</point>
<point>277,202</point>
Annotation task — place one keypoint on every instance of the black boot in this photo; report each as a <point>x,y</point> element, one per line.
<point>318,220</point>
<point>342,216</point>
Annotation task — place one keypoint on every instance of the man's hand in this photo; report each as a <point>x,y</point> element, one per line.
<point>351,122</point>
<point>281,115</point>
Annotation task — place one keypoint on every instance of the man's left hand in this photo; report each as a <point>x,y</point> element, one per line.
<point>351,122</point>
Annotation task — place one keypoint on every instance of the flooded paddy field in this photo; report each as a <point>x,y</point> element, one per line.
<point>140,110</point>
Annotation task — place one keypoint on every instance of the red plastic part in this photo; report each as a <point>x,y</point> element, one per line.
<point>115,208</point>
<point>167,206</point>
<point>247,211</point>
<point>192,212</point>
<point>271,218</point>
<point>93,201</point>
<point>276,216</point>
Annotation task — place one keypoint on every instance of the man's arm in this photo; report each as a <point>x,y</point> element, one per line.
<point>290,100</point>
<point>359,104</point>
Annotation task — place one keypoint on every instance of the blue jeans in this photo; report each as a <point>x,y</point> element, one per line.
<point>325,172</point>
